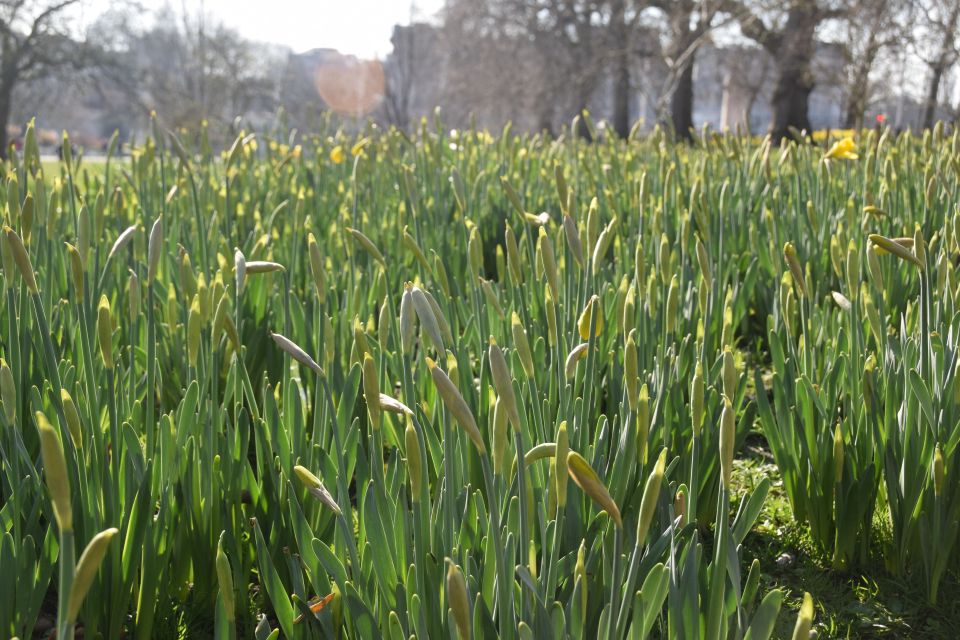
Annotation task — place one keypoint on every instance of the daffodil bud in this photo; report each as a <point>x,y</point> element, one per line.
<point>522,345</point>
<point>703,261</point>
<point>291,348</point>
<point>407,320</point>
<point>897,249</point>
<point>550,310</point>
<point>586,319</point>
<point>316,488</point>
<point>838,454</point>
<point>790,255</point>
<point>154,249</point>
<point>869,389</point>
<point>573,239</point>
<point>673,305</point>
<point>428,321</point>
<point>367,245</point>
<point>453,371</point>
<point>580,574</point>
<point>360,338</point>
<point>919,244</point>
<point>665,258</point>
<point>491,297</point>
<point>729,374</point>
<point>651,493</point>
<point>457,405</point>
<point>853,269</point>
<point>203,295</point>
<point>727,436</point>
<point>8,392</point>
<point>697,393</point>
<point>475,252</point>
<point>440,273</point>
<point>86,571</point>
<point>371,390</point>
<point>680,504</point>
<point>631,372</point>
<point>442,323</point>
<point>457,599</point>
<point>575,355</point>
<point>500,437</point>
<point>549,262</point>
<point>643,424</point>
<point>586,478</point>
<point>239,270</point>
<point>73,418</point>
<point>603,244</point>
<point>225,580</point>
<point>514,263</point>
<point>84,231</point>
<point>9,266</point>
<point>55,472</point>
<point>414,462</point>
<point>503,382</point>
<point>26,218</point>
<point>76,270</point>
<point>194,325</point>
<point>317,269</point>
<point>805,619</point>
<point>188,281</point>
<point>630,309</point>
<point>21,258</point>
<point>939,471</point>
<point>639,265</point>
<point>411,243</point>
<point>105,331</point>
<point>13,198</point>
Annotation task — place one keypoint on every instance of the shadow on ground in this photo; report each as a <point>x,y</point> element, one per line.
<point>865,602</point>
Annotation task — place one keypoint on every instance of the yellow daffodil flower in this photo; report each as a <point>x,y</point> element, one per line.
<point>845,149</point>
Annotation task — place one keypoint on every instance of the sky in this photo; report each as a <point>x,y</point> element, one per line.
<point>359,27</point>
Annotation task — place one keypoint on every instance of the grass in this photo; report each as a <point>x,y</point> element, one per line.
<point>867,603</point>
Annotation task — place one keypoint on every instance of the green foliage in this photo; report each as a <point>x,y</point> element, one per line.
<point>246,358</point>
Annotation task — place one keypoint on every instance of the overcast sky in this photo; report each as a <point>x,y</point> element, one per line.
<point>359,27</point>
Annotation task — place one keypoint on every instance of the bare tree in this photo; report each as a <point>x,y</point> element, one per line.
<point>937,46</point>
<point>400,71</point>
<point>34,42</point>
<point>189,69</point>
<point>873,27</point>
<point>688,22</point>
<point>747,73</point>
<point>561,45</point>
<point>787,30</point>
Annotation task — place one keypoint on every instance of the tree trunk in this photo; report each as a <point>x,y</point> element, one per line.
<point>621,81</point>
<point>859,88</point>
<point>6,101</point>
<point>930,110</point>
<point>939,67</point>
<point>681,103</point>
<point>621,97</point>
<point>682,50</point>
<point>791,94</point>
<point>857,101</point>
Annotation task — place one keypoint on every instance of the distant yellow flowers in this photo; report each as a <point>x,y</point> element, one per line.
<point>338,154</point>
<point>844,149</point>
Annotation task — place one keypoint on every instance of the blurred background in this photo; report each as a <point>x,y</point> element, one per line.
<point>95,66</point>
